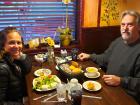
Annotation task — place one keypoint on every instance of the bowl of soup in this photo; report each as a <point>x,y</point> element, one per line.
<point>91,71</point>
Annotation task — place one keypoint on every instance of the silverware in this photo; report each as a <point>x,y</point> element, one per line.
<point>65,101</point>
<point>50,97</point>
<point>92,96</point>
<point>40,97</point>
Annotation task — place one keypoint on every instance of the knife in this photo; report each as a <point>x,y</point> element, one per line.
<point>40,97</point>
<point>92,96</point>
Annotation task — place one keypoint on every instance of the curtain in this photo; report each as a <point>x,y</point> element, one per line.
<point>37,18</point>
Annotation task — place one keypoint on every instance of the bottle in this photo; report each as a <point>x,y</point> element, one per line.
<point>76,93</point>
<point>74,53</point>
<point>63,53</point>
<point>71,84</point>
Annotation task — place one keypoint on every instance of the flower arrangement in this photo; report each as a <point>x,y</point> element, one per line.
<point>50,42</point>
<point>50,47</point>
<point>65,32</point>
<point>66,1</point>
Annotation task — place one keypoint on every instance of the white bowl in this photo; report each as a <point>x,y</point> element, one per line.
<point>39,59</point>
<point>91,71</point>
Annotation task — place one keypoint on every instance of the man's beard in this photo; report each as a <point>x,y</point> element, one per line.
<point>126,36</point>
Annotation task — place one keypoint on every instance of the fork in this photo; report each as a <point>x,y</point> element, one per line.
<point>65,101</point>
<point>37,98</point>
<point>50,97</point>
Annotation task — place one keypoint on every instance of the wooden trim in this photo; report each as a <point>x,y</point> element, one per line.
<point>100,28</point>
<point>34,51</point>
<point>80,15</point>
<point>99,13</point>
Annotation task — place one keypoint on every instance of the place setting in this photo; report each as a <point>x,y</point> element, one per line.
<point>92,73</point>
<point>42,71</point>
<point>41,58</point>
<point>69,69</point>
<point>45,83</point>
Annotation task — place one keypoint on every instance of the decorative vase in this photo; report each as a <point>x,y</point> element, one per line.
<point>50,55</point>
<point>65,41</point>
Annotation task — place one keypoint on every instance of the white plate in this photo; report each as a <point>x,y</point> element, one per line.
<point>97,85</point>
<point>50,85</point>
<point>42,71</point>
<point>69,58</point>
<point>98,75</point>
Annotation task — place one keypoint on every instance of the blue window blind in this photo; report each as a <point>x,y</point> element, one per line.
<point>37,19</point>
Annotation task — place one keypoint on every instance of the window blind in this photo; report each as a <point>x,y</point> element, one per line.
<point>37,19</point>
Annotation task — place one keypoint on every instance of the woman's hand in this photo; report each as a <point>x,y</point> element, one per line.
<point>112,80</point>
<point>83,56</point>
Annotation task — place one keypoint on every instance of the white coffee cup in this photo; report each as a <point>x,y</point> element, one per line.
<point>91,71</point>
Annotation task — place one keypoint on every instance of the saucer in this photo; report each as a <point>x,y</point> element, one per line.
<point>97,85</point>
<point>98,75</point>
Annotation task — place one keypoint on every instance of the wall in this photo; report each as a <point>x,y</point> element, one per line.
<point>97,39</point>
<point>90,13</point>
<point>133,4</point>
<point>107,12</point>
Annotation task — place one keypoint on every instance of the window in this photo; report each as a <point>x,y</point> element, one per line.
<point>35,18</point>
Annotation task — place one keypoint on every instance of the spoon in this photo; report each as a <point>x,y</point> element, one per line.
<point>65,101</point>
<point>92,96</point>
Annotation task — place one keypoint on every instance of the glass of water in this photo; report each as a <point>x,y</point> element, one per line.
<point>61,92</point>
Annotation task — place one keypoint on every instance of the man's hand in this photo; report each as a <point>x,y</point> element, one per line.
<point>83,56</point>
<point>111,80</point>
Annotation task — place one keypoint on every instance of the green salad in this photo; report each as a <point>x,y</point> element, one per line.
<point>44,83</point>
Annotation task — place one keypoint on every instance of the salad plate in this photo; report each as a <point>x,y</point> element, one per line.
<point>45,83</point>
<point>43,71</point>
<point>92,85</point>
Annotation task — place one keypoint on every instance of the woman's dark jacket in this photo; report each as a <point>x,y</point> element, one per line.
<point>12,79</point>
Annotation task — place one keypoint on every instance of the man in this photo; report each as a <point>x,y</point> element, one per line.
<point>122,58</point>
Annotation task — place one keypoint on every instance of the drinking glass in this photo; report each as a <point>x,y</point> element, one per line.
<point>61,92</point>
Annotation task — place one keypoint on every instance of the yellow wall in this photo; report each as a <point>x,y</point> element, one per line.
<point>110,12</point>
<point>91,11</point>
<point>133,5</point>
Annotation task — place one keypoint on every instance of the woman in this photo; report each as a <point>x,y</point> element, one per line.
<point>14,65</point>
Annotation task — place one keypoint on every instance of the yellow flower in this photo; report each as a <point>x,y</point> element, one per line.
<point>50,41</point>
<point>66,1</point>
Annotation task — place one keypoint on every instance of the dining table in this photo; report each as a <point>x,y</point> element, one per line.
<point>110,95</point>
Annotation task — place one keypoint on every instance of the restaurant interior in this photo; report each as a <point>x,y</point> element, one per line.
<point>93,22</point>
<point>87,25</point>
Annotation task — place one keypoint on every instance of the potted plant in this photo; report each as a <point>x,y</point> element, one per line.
<point>65,32</point>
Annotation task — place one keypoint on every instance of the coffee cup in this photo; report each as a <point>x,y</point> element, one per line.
<point>91,71</point>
